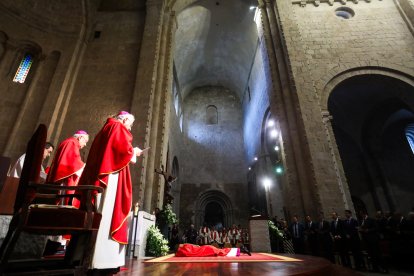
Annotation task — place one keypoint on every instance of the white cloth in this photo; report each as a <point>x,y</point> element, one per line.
<point>233,252</point>
<point>80,171</point>
<point>16,170</point>
<point>216,237</point>
<point>108,253</point>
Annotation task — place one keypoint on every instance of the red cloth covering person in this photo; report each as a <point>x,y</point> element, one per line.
<point>108,166</point>
<point>191,250</point>
<point>67,164</point>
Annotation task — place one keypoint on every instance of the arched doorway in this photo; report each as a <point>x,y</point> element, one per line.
<point>369,117</point>
<point>214,208</point>
<point>214,215</point>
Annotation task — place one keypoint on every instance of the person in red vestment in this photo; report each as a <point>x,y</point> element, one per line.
<point>108,166</point>
<point>67,164</point>
<point>191,250</point>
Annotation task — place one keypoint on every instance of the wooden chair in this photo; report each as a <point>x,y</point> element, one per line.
<point>81,223</point>
<point>4,168</point>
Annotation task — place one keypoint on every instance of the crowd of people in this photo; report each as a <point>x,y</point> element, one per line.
<point>362,242</point>
<point>235,236</point>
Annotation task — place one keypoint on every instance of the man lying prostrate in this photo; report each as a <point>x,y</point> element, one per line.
<point>191,250</point>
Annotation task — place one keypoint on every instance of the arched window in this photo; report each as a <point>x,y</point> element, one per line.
<point>176,99</point>
<point>23,69</point>
<point>211,115</point>
<point>409,133</point>
<point>181,122</point>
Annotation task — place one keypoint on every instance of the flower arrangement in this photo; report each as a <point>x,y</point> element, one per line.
<point>274,231</point>
<point>156,244</point>
<point>168,216</point>
<point>276,237</point>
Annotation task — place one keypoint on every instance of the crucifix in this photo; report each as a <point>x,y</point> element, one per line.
<point>168,180</point>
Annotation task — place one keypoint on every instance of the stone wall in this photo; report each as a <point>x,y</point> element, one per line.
<point>46,31</point>
<point>84,69</point>
<point>106,77</point>
<point>213,153</point>
<point>255,104</point>
<point>376,36</point>
<point>321,46</point>
<point>212,156</point>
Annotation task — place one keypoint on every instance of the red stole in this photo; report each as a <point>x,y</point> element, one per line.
<point>66,163</point>
<point>111,152</point>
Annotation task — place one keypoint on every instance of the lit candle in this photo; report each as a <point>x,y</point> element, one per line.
<point>136,208</point>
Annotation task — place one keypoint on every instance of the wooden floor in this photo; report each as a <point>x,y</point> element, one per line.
<point>309,266</point>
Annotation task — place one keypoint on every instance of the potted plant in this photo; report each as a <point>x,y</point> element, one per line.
<point>156,244</point>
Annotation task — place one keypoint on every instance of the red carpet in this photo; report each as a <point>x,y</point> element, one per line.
<point>256,257</point>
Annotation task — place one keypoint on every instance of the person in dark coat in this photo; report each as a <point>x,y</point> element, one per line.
<point>371,238</point>
<point>338,235</point>
<point>297,230</point>
<point>352,240</point>
<point>311,235</point>
<point>325,238</point>
<point>191,234</point>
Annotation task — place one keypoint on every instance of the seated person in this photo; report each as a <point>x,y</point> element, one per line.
<point>190,250</point>
<point>16,170</point>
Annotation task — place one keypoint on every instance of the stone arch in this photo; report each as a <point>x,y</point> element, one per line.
<point>341,73</point>
<point>371,149</point>
<point>218,197</point>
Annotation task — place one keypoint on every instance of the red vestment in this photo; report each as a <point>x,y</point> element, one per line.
<point>111,152</point>
<point>191,250</point>
<point>66,163</point>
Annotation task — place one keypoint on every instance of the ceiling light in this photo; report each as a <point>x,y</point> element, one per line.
<point>267,182</point>
<point>270,123</point>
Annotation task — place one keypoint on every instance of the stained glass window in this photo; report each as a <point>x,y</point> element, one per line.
<point>23,69</point>
<point>409,133</point>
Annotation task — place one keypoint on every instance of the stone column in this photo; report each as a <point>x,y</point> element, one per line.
<point>336,159</point>
<point>295,179</point>
<point>145,101</point>
<point>316,174</point>
<point>164,107</point>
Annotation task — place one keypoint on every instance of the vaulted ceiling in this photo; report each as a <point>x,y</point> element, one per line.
<point>214,44</point>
